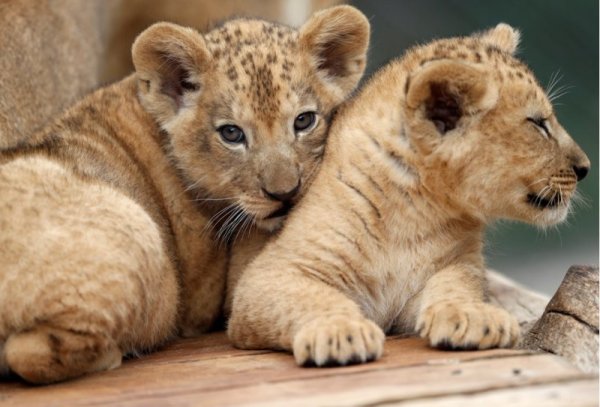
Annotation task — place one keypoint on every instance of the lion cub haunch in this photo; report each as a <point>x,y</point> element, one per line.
<point>455,134</point>
<point>110,219</point>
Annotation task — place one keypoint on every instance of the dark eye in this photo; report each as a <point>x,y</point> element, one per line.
<point>540,123</point>
<point>232,134</point>
<point>304,121</point>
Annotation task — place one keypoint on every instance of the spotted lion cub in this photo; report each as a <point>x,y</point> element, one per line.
<point>453,135</point>
<point>107,216</point>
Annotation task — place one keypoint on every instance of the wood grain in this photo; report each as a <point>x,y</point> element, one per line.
<point>207,371</point>
<point>579,393</point>
<point>569,324</point>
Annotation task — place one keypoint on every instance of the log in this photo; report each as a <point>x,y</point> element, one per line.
<point>569,324</point>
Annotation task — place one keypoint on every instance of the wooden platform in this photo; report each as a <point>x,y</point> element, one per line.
<point>208,372</point>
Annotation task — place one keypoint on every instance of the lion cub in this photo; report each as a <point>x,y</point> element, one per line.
<point>388,238</point>
<point>111,219</point>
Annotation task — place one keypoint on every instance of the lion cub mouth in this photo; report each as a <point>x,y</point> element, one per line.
<point>282,211</point>
<point>543,202</point>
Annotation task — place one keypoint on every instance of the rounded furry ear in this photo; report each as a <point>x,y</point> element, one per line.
<point>504,37</point>
<point>169,61</point>
<point>337,39</point>
<point>447,90</point>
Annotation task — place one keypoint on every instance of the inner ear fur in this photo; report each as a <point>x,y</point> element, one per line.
<point>169,60</point>
<point>337,39</point>
<point>448,90</point>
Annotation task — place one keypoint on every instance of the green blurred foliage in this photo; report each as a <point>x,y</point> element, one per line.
<point>557,36</point>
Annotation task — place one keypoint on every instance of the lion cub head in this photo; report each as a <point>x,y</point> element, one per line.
<point>485,132</point>
<point>245,108</point>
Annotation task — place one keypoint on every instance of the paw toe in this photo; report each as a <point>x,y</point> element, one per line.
<point>468,326</point>
<point>338,342</point>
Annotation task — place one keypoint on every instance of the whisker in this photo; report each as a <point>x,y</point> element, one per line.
<point>236,223</point>
<point>213,199</point>
<point>538,181</point>
<point>240,221</point>
<point>554,79</point>
<point>559,92</point>
<point>561,198</point>
<point>224,226</point>
<point>219,215</point>
<point>252,225</point>
<point>246,221</point>
<point>230,225</point>
<point>216,218</point>
<point>580,199</point>
<point>541,195</point>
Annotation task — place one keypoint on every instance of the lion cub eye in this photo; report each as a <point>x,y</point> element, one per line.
<point>541,124</point>
<point>232,134</point>
<point>304,121</point>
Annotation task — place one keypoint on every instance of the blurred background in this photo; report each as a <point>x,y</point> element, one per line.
<point>558,37</point>
<point>56,51</point>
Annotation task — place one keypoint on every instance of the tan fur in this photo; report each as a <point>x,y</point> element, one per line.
<point>241,255</point>
<point>108,216</point>
<point>54,52</point>
<point>130,17</point>
<point>389,236</point>
<point>51,56</point>
<point>82,272</point>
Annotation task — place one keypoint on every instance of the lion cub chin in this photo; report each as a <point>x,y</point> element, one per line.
<point>108,217</point>
<point>454,135</point>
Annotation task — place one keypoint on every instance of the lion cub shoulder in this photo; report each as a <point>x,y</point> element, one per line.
<point>455,134</point>
<point>113,218</point>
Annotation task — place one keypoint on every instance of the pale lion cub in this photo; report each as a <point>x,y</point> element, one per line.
<point>107,216</point>
<point>455,134</point>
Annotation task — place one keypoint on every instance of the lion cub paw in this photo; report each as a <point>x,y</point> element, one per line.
<point>467,326</point>
<point>47,354</point>
<point>338,341</point>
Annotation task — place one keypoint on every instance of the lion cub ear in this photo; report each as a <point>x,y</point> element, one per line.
<point>447,90</point>
<point>169,61</point>
<point>336,39</point>
<point>504,37</point>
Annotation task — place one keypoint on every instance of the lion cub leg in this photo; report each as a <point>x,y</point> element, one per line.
<point>287,308</point>
<point>47,354</point>
<point>84,274</point>
<point>454,315</point>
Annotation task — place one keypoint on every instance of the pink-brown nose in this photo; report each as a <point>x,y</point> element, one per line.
<point>283,196</point>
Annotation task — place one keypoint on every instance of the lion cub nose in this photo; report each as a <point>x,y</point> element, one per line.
<point>581,171</point>
<point>283,196</point>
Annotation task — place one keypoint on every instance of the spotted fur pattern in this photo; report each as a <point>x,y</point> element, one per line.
<point>110,217</point>
<point>388,238</point>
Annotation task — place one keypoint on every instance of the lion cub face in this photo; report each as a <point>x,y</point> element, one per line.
<point>487,131</point>
<point>246,108</point>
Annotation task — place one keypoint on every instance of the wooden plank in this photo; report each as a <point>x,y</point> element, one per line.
<point>209,369</point>
<point>209,363</point>
<point>580,393</point>
<point>394,384</point>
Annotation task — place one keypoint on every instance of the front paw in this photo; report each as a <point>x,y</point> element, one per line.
<point>338,340</point>
<point>450,325</point>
